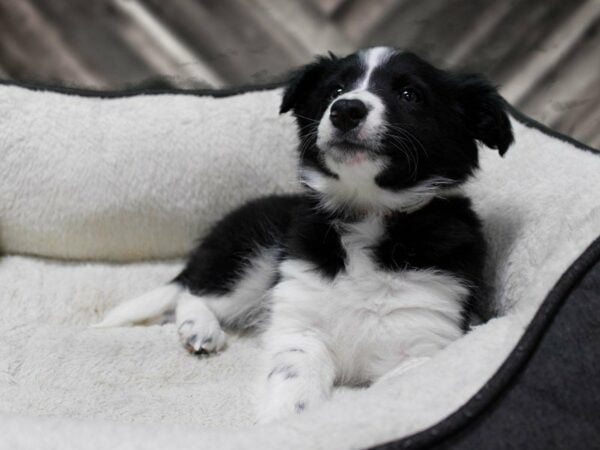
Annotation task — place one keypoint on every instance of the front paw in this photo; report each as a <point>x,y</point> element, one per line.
<point>199,337</point>
<point>288,394</point>
<point>280,409</point>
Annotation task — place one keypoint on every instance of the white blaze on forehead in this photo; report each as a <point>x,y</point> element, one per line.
<point>372,58</point>
<point>371,128</point>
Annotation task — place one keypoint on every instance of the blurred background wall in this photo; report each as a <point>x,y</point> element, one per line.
<point>544,54</point>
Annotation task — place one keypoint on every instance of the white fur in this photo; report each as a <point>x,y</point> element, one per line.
<point>373,58</point>
<point>356,186</point>
<point>142,308</point>
<point>299,374</point>
<point>355,328</point>
<point>198,327</point>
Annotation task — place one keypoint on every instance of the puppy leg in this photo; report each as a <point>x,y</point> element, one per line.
<point>300,374</point>
<point>199,317</point>
<point>198,327</point>
<point>232,270</point>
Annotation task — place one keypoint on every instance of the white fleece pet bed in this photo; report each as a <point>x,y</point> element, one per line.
<point>130,182</point>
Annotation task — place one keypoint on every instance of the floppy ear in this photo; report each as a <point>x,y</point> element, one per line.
<point>485,113</point>
<point>302,81</point>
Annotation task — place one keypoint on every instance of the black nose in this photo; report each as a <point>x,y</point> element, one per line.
<point>347,114</point>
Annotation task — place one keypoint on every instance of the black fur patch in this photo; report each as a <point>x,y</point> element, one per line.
<point>222,255</point>
<point>313,238</point>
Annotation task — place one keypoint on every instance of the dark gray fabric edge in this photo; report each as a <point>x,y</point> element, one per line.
<point>139,91</point>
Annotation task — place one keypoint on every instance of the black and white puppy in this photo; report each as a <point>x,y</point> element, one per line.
<point>377,265</point>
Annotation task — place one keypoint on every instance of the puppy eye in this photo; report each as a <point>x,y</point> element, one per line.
<point>336,92</point>
<point>410,95</point>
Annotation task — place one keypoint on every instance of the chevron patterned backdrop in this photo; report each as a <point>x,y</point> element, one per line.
<point>544,54</point>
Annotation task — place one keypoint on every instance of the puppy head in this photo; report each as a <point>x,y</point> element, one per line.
<point>384,130</point>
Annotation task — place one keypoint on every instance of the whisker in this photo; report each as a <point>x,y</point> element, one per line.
<point>409,135</point>
<point>310,119</point>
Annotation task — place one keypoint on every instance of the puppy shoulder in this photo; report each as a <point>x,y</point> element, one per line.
<point>445,230</point>
<point>448,215</point>
<point>314,239</point>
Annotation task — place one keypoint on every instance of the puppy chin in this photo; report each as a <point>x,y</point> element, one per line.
<point>353,146</point>
<point>349,151</point>
<point>348,155</point>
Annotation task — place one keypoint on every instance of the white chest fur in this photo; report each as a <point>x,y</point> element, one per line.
<point>370,319</point>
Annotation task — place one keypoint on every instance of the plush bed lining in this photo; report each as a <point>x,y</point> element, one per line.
<point>243,89</point>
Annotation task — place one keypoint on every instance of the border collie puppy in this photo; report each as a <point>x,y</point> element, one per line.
<point>377,264</point>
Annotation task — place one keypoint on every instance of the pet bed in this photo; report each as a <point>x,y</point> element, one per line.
<point>102,194</point>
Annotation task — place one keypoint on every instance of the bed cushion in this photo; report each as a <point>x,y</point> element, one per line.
<point>101,196</point>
